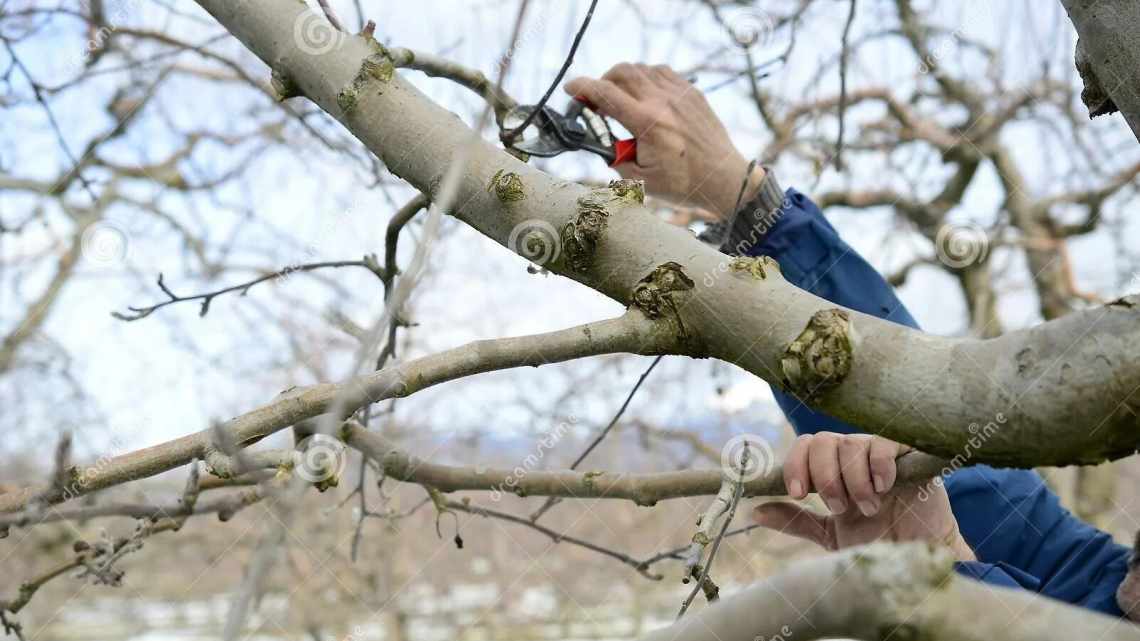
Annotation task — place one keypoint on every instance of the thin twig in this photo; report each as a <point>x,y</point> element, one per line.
<point>843,56</point>
<point>552,501</point>
<point>330,14</point>
<point>271,541</point>
<point>703,581</point>
<point>508,136</point>
<point>137,313</point>
<point>676,553</point>
<point>37,91</point>
<point>555,536</point>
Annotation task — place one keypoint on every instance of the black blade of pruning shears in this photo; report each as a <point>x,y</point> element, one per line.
<point>580,127</point>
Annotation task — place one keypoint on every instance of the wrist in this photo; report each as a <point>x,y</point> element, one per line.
<point>726,195</point>
<point>960,548</point>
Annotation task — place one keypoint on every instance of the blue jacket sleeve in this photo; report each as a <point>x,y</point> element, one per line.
<point>1016,526</point>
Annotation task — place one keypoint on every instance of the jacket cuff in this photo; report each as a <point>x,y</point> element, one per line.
<point>999,573</point>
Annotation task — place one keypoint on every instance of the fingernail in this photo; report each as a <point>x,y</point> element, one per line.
<point>868,508</point>
<point>836,506</point>
<point>880,485</point>
<point>796,488</point>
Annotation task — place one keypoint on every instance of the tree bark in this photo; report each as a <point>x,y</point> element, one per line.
<point>1108,31</point>
<point>885,591</point>
<point>1068,389</point>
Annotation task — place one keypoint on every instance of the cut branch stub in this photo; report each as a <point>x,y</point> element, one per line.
<point>580,236</point>
<point>283,86</point>
<point>1093,95</point>
<point>655,293</point>
<point>378,67</point>
<point>758,266</point>
<point>820,357</point>
<point>507,186</point>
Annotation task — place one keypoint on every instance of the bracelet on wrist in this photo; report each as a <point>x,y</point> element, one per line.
<point>750,221</point>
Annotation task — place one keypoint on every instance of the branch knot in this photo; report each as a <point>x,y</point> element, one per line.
<point>820,357</point>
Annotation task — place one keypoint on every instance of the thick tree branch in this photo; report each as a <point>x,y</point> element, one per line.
<point>907,591</point>
<point>1107,30</point>
<point>643,489</point>
<point>632,333</point>
<point>1051,382</point>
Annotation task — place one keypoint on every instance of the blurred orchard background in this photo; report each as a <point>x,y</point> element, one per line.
<point>137,139</point>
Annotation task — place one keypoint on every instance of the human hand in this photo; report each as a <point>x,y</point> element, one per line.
<point>684,153</point>
<point>1128,593</point>
<point>855,475</point>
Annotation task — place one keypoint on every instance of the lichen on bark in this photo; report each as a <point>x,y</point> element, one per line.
<point>821,356</point>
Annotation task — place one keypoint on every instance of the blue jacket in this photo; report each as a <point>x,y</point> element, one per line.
<point>1015,524</point>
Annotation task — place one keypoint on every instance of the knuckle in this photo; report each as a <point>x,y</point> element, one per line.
<point>826,439</point>
<point>620,70</point>
<point>849,446</point>
<point>880,458</point>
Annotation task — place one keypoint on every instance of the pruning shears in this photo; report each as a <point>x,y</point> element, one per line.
<point>580,127</point>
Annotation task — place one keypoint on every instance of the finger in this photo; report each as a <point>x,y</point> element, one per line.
<point>637,80</point>
<point>855,467</point>
<point>823,463</point>
<point>792,519</point>
<point>797,478</point>
<point>611,100</point>
<point>882,457</point>
<point>668,75</point>
<point>630,170</point>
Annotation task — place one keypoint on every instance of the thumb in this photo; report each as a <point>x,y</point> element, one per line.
<point>792,519</point>
<point>630,170</point>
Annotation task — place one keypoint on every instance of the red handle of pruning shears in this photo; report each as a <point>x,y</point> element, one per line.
<point>624,150</point>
